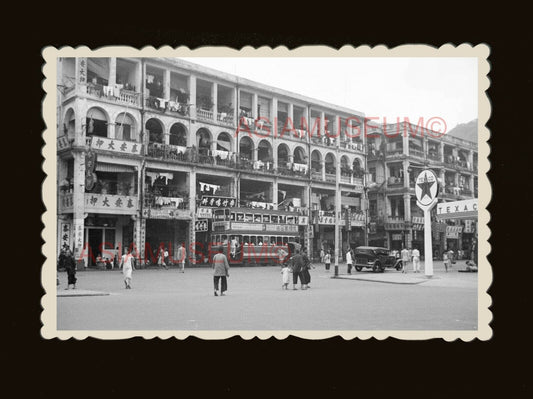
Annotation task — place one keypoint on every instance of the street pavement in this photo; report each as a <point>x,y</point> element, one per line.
<point>174,301</point>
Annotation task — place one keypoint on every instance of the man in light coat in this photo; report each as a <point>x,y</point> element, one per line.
<point>349,260</point>
<point>221,271</point>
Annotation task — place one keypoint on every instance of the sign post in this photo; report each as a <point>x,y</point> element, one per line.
<point>426,190</point>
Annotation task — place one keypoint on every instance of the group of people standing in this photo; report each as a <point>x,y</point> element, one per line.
<point>299,266</point>
<point>163,258</point>
<point>410,255</point>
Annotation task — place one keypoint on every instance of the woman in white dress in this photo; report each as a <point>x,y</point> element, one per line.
<point>126,263</point>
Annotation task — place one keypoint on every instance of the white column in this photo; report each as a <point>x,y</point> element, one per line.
<point>235,110</point>
<point>275,193</point>
<point>214,95</point>
<point>166,85</point>
<point>192,97</point>
<point>274,117</point>
<point>322,124</point>
<point>405,143</point>
<point>78,216</point>
<point>254,106</point>
<point>112,80</point>
<point>428,245</point>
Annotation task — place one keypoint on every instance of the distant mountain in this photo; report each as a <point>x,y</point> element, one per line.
<point>465,131</point>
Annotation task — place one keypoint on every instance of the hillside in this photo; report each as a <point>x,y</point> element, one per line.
<point>465,131</point>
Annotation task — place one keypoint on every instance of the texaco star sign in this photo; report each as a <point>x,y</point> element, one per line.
<point>426,189</point>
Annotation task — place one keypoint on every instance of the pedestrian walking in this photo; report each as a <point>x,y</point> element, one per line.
<point>165,257</point>
<point>297,265</point>
<point>306,275</point>
<point>285,276</point>
<point>221,271</point>
<point>416,260</point>
<point>161,258</point>
<point>327,260</point>
<point>405,259</point>
<point>349,260</point>
<point>69,263</point>
<point>182,255</point>
<point>126,263</point>
<point>322,254</point>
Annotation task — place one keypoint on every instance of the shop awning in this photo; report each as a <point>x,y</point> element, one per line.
<point>111,167</point>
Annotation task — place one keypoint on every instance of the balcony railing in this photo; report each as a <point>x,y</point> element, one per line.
<point>168,152</point>
<point>395,181</point>
<point>433,156</point>
<point>225,118</point>
<point>116,94</point>
<point>331,177</point>
<point>416,153</point>
<point>315,175</point>
<point>204,114</point>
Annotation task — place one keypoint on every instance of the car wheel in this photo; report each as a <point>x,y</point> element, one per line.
<point>376,267</point>
<point>358,268</point>
<point>399,266</point>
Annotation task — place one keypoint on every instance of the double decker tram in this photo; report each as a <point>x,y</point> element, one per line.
<point>252,236</point>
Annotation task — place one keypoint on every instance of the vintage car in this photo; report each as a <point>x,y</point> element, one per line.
<point>375,258</point>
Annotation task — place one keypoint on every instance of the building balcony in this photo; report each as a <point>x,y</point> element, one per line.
<point>432,156</point>
<point>115,94</point>
<point>416,153</point>
<point>114,145</point>
<point>316,175</point>
<point>348,145</point>
<point>331,177</point>
<point>168,152</point>
<point>204,114</point>
<point>225,118</point>
<point>395,181</point>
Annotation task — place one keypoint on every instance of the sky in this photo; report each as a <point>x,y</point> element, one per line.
<point>390,88</point>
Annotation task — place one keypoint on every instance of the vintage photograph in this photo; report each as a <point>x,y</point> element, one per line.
<point>266,192</point>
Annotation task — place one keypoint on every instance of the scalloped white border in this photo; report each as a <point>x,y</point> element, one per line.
<point>49,300</point>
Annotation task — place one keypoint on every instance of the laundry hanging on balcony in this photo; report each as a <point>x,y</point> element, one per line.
<point>155,175</point>
<point>206,188</point>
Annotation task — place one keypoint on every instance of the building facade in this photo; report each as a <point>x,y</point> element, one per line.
<point>147,149</point>
<point>397,154</point>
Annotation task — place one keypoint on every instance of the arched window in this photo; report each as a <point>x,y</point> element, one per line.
<point>315,161</point>
<point>331,167</point>
<point>155,130</point>
<point>125,127</point>
<point>178,135</point>
<point>96,123</point>
<point>224,142</point>
<point>283,155</point>
<point>203,141</point>
<point>264,152</point>
<point>299,155</point>
<point>246,148</point>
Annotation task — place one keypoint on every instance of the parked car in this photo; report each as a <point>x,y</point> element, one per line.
<point>375,258</point>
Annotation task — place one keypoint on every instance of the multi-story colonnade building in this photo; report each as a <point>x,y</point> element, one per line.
<point>147,149</point>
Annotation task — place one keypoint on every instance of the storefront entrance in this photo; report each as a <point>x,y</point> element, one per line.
<point>168,234</point>
<point>99,243</point>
